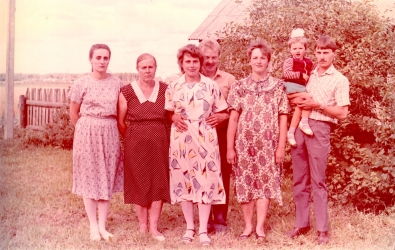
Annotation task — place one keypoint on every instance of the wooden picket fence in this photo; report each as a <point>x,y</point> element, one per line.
<point>38,106</point>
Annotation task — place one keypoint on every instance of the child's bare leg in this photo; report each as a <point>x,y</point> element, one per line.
<point>304,123</point>
<point>294,123</point>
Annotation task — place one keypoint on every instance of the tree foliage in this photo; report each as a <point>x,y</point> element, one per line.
<point>361,165</point>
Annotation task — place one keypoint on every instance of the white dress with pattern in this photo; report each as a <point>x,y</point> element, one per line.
<point>195,171</point>
<point>97,156</point>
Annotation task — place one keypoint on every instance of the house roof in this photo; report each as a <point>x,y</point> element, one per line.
<point>227,11</point>
<point>236,11</point>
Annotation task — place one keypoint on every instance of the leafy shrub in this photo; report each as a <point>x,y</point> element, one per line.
<point>59,133</point>
<point>361,165</point>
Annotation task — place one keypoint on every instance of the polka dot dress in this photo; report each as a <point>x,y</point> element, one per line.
<point>146,149</point>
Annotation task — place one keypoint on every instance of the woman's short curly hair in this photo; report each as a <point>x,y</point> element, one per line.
<point>262,45</point>
<point>193,51</point>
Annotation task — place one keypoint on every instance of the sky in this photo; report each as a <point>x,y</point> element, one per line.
<point>54,36</point>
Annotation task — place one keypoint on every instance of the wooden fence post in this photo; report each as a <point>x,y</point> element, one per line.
<point>39,109</point>
<point>51,110</point>
<point>34,108</point>
<point>22,111</point>
<point>29,108</point>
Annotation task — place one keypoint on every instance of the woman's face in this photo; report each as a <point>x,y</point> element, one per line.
<point>100,60</point>
<point>146,69</point>
<point>258,62</point>
<point>191,65</point>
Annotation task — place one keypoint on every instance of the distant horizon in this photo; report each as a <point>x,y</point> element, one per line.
<point>87,72</point>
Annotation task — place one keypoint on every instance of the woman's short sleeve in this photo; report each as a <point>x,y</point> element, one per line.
<point>283,104</point>
<point>169,102</point>
<point>76,92</point>
<point>234,98</point>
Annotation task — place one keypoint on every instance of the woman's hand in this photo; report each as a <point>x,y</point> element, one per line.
<point>280,152</point>
<point>178,121</point>
<point>231,156</point>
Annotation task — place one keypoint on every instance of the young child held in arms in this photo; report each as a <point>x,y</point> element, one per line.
<point>296,72</point>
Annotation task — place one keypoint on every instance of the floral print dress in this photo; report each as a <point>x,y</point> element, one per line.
<point>259,103</point>
<point>97,155</point>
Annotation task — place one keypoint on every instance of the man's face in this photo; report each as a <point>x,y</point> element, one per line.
<point>324,57</point>
<point>210,60</point>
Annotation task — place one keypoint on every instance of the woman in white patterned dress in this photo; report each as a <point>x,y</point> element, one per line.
<point>195,171</point>
<point>97,157</point>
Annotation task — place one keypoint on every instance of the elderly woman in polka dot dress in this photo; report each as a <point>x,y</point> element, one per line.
<point>142,103</point>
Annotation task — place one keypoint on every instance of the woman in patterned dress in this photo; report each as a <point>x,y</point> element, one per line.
<point>146,144</point>
<point>97,157</point>
<point>195,171</point>
<point>256,138</point>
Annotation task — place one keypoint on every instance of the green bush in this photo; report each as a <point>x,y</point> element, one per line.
<point>361,165</point>
<point>59,133</point>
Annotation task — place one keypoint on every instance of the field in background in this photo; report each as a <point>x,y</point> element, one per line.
<point>38,211</point>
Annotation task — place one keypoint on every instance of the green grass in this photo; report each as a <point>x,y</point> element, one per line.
<point>38,211</point>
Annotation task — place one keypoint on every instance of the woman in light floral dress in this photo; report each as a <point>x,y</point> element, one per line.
<point>195,166</point>
<point>256,138</point>
<point>97,157</point>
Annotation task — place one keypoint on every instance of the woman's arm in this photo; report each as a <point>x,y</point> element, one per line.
<point>122,110</point>
<point>280,150</point>
<point>74,112</point>
<point>231,134</point>
<point>178,121</point>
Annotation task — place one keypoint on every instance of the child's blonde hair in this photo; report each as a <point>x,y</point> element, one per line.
<point>302,40</point>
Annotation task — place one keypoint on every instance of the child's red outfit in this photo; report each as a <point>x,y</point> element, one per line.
<point>293,70</point>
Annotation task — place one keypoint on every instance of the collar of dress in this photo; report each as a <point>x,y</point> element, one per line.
<point>140,94</point>
<point>260,86</point>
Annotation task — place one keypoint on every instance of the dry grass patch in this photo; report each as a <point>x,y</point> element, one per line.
<point>38,211</point>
